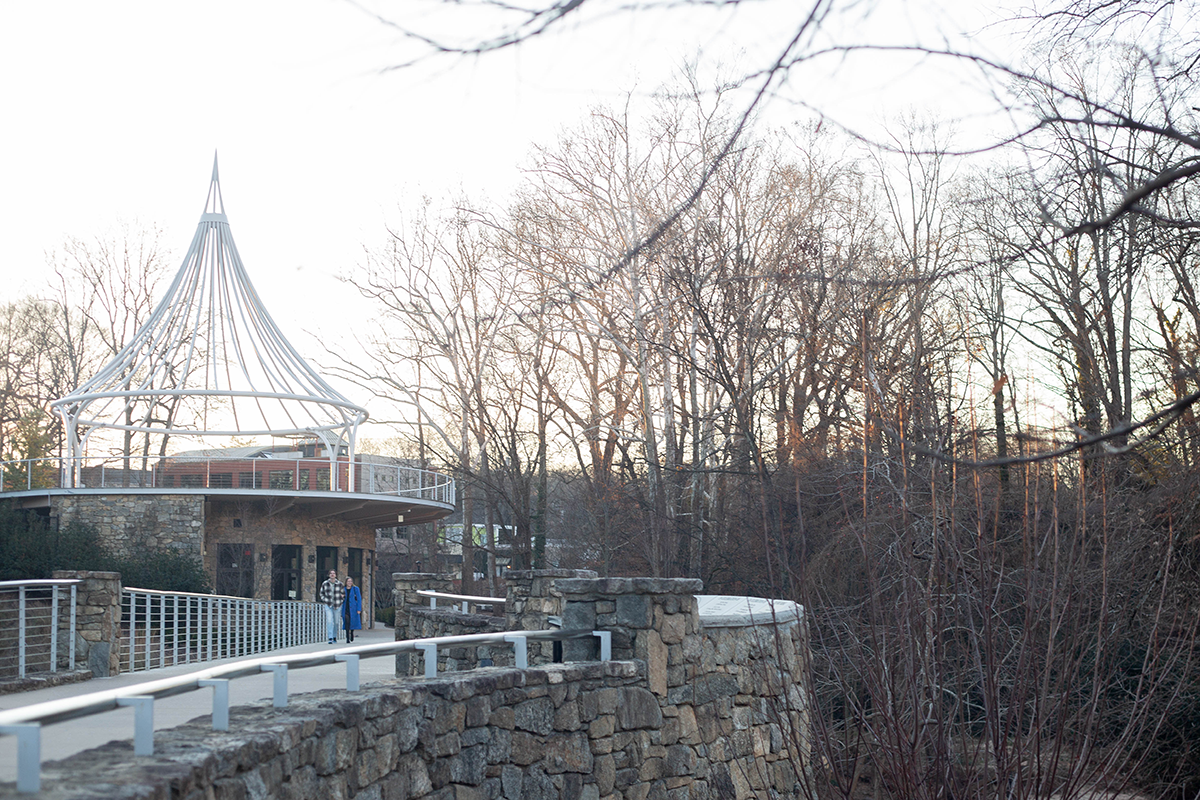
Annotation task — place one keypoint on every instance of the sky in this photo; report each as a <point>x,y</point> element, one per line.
<point>112,113</point>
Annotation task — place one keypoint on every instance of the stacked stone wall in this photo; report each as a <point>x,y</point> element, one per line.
<point>405,586</point>
<point>426,623</point>
<point>530,602</point>
<point>129,523</point>
<point>589,731</point>
<point>686,713</point>
<point>97,622</point>
<point>734,693</point>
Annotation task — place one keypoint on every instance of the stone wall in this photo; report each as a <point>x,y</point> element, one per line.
<point>687,713</point>
<point>530,602</point>
<point>97,622</point>
<point>426,623</point>
<point>405,586</point>
<point>127,523</point>
<point>735,693</point>
<point>416,620</point>
<point>588,731</point>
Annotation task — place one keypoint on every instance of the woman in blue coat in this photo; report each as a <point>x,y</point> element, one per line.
<point>352,610</point>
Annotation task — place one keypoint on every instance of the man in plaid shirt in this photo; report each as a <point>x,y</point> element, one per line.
<point>332,593</point>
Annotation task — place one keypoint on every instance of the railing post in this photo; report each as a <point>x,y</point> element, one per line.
<point>54,628</point>
<point>220,712</point>
<point>143,723</point>
<point>21,631</point>
<point>605,638</point>
<point>351,660</point>
<point>520,649</point>
<point>74,607</point>
<point>162,631</point>
<point>29,755</point>
<point>147,657</point>
<point>430,650</point>
<point>209,602</point>
<point>279,699</point>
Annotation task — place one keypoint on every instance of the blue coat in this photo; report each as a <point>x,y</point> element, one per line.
<point>352,609</point>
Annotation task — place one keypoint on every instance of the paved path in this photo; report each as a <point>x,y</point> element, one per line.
<point>67,738</point>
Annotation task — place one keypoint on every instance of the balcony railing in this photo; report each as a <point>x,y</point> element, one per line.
<point>189,472</point>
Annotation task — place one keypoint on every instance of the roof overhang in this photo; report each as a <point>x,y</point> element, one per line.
<point>375,510</point>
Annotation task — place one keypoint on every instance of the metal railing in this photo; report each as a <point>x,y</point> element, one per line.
<point>163,629</point>
<point>36,616</point>
<point>26,723</point>
<point>188,472</point>
<point>467,600</point>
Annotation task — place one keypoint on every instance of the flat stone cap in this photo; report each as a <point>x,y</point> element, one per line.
<point>529,574</point>
<point>610,586</point>
<point>727,611</point>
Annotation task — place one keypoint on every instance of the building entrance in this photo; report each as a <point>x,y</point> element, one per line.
<point>285,572</point>
<point>327,560</point>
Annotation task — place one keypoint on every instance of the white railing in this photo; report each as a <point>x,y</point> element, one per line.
<point>187,472</point>
<point>37,626</point>
<point>26,723</point>
<point>467,600</point>
<point>162,629</point>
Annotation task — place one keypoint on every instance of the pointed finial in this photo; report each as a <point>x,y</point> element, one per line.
<point>214,204</point>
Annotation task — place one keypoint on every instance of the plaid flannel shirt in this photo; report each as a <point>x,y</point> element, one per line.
<point>333,593</point>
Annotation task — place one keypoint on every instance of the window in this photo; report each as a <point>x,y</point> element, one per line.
<point>285,572</point>
<point>191,481</point>
<point>281,479</point>
<point>220,480</point>
<point>303,480</point>
<point>250,480</point>
<point>235,569</point>
<point>323,480</point>
<point>167,480</point>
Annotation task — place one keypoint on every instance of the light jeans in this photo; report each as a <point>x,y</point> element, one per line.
<point>331,623</point>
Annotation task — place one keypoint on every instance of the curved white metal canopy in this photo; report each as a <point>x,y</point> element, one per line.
<point>210,361</point>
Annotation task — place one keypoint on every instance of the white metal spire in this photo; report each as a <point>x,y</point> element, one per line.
<point>210,361</point>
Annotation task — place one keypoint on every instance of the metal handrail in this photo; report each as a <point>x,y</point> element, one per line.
<point>393,480</point>
<point>26,722</point>
<point>466,599</point>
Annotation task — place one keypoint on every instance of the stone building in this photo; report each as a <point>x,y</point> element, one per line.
<point>209,435</point>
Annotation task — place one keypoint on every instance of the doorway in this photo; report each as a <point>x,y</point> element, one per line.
<point>326,560</point>
<point>285,572</point>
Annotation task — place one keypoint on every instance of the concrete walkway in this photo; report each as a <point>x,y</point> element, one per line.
<point>67,738</point>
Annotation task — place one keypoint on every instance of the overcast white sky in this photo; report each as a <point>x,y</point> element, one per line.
<point>112,111</point>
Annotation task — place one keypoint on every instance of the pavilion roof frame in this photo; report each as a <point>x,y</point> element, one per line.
<point>210,339</point>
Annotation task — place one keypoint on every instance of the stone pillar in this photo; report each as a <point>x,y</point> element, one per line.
<point>98,621</point>
<point>530,601</point>
<point>648,617</point>
<point>405,586</point>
